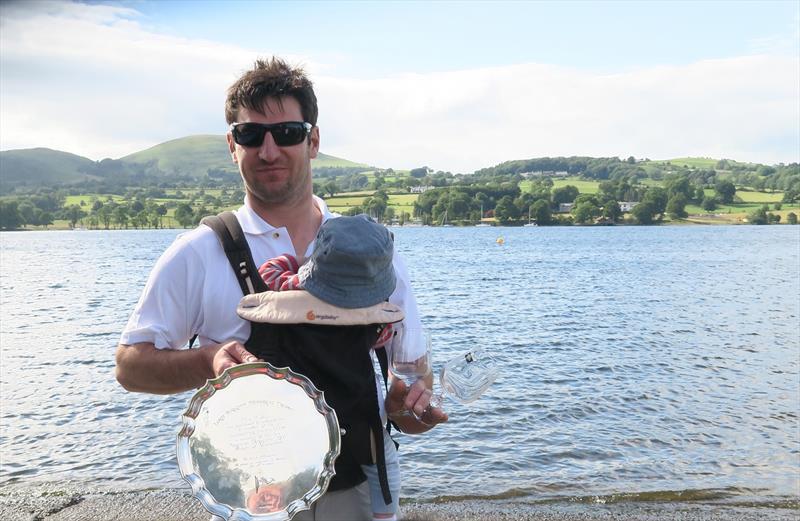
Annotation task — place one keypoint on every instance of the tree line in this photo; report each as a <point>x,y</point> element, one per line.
<point>491,192</point>
<point>508,204</point>
<point>137,208</point>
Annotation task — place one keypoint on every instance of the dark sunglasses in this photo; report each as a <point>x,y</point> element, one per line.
<point>285,134</point>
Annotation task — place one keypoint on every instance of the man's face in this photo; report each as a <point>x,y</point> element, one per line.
<point>275,175</point>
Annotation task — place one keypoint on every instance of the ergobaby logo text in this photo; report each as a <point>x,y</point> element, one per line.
<point>313,316</point>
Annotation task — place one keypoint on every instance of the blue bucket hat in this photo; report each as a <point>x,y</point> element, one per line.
<point>351,266</point>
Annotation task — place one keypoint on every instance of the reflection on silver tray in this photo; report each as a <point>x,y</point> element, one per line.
<point>258,443</point>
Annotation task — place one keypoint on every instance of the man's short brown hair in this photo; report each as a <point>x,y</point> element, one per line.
<point>271,78</point>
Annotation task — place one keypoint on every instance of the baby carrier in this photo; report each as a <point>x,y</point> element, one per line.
<point>336,358</point>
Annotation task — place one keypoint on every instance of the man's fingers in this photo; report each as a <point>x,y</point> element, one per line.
<point>245,356</point>
<point>239,353</point>
<point>416,393</point>
<point>394,399</point>
<point>422,402</point>
<point>231,354</point>
<point>433,416</point>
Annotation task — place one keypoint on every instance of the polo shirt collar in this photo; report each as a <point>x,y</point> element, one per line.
<point>253,224</point>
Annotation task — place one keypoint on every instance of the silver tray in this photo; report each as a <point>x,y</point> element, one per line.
<point>258,443</point>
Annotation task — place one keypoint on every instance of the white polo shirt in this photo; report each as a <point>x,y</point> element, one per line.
<point>192,288</point>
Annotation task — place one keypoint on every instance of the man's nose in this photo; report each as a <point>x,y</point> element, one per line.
<point>269,151</point>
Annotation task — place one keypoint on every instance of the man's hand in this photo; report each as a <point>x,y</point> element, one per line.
<point>230,354</point>
<point>415,399</point>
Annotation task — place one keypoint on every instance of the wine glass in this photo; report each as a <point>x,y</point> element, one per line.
<point>465,377</point>
<point>410,352</point>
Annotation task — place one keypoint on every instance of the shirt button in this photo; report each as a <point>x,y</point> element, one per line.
<point>276,235</point>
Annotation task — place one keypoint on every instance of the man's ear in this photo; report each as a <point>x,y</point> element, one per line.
<point>232,147</point>
<point>313,143</point>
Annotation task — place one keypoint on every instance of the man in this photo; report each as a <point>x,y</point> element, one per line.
<point>192,290</point>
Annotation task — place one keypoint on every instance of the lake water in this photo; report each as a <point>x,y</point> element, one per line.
<point>635,360</point>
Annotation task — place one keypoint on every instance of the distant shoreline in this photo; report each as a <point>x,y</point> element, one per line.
<point>688,222</point>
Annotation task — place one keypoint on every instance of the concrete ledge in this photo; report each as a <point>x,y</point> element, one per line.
<point>178,505</point>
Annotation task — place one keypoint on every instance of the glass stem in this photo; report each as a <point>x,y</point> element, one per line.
<point>436,400</point>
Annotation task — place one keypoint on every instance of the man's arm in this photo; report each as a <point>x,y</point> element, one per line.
<point>143,368</point>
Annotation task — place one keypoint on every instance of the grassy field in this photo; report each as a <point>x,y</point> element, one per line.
<point>362,193</point>
<point>583,186</point>
<point>758,197</point>
<point>736,213</point>
<point>403,199</point>
<point>751,197</point>
<point>88,198</point>
<point>343,203</point>
<point>189,192</point>
<point>403,203</point>
<point>743,207</point>
<point>696,162</point>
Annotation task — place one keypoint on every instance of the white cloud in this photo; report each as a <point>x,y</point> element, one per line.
<point>91,80</point>
<point>743,108</point>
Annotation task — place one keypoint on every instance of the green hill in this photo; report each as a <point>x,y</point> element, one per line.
<point>326,161</point>
<point>192,155</point>
<point>707,163</point>
<point>692,162</point>
<point>195,155</point>
<point>43,166</point>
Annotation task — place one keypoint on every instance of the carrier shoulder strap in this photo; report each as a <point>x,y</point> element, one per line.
<point>233,242</point>
<point>383,360</point>
<point>231,238</point>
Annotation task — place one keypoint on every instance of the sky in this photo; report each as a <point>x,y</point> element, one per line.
<point>455,86</point>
